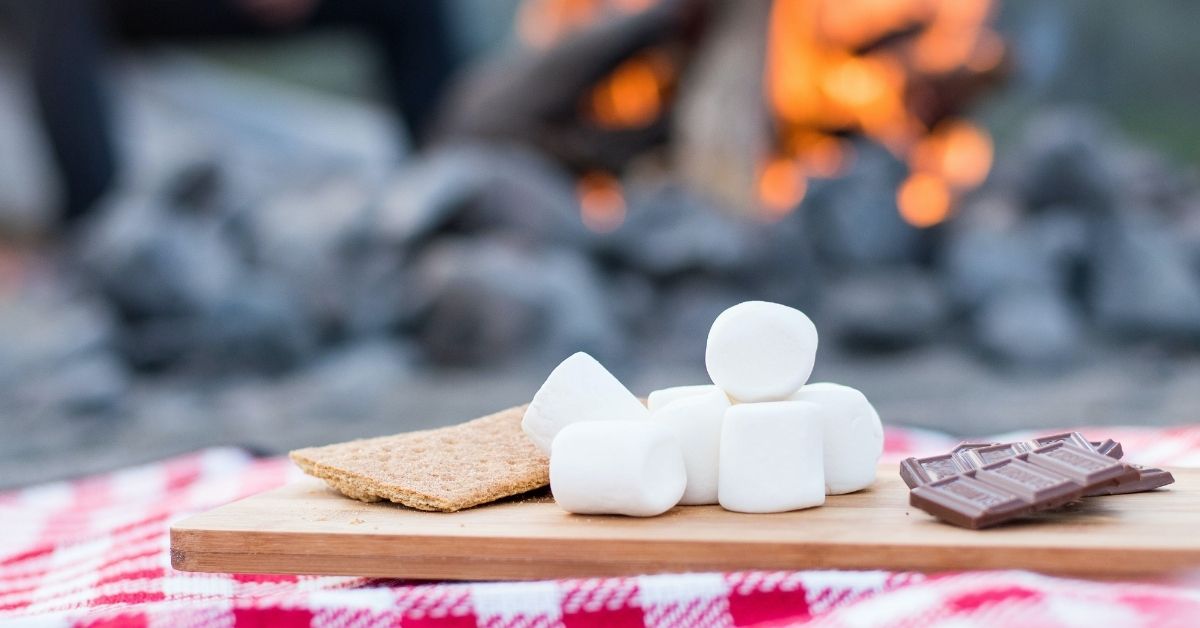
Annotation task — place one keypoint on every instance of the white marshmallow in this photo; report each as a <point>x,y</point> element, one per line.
<point>760,351</point>
<point>660,398</point>
<point>696,421</point>
<point>771,457</point>
<point>630,468</point>
<point>853,436</point>
<point>579,389</point>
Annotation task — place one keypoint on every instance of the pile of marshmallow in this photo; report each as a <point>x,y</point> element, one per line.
<point>757,440</point>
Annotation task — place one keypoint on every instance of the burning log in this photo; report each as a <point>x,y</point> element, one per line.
<point>752,98</point>
<point>534,97</point>
<point>722,126</point>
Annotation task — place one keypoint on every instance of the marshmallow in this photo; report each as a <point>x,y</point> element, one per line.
<point>630,468</point>
<point>696,421</point>
<point>771,457</point>
<point>660,398</point>
<point>853,436</point>
<point>579,389</point>
<point>760,351</point>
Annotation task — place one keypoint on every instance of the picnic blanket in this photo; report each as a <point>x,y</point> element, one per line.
<point>95,552</point>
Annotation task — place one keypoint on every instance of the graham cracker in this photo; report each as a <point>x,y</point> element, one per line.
<point>445,469</point>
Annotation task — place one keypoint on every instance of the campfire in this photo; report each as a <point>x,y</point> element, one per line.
<point>635,168</point>
<point>813,75</point>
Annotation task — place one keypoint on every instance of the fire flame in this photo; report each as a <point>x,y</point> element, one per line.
<point>781,185</point>
<point>923,199</point>
<point>829,73</point>
<point>632,95</point>
<point>833,68</point>
<point>957,151</point>
<point>601,203</point>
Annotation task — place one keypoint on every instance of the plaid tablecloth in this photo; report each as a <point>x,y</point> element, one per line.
<point>94,552</point>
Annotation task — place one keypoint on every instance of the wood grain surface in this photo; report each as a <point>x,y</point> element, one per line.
<point>306,528</point>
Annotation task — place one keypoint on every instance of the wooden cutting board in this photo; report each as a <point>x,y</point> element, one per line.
<point>306,528</point>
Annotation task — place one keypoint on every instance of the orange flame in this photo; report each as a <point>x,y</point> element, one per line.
<point>821,155</point>
<point>823,78</point>
<point>923,200</point>
<point>833,67</point>
<point>781,185</point>
<point>601,202</point>
<point>957,151</point>
<point>632,95</point>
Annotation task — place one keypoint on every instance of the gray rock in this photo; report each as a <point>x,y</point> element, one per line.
<point>477,189</point>
<point>488,300</point>
<point>44,326</point>
<point>422,195</point>
<point>885,309</point>
<point>1065,157</point>
<point>670,231</point>
<point>201,286</point>
<point>351,382</point>
<point>1148,179</point>
<point>375,289</point>
<point>313,217</point>
<point>151,261</point>
<point>994,245</point>
<point>92,384</point>
<point>784,267</point>
<point>1061,235</point>
<point>1076,156</point>
<point>978,262</point>
<point>1142,283</point>
<point>1187,229</point>
<point>312,240</point>
<point>256,327</point>
<point>683,317</point>
<point>853,221</point>
<point>633,297</point>
<point>1029,327</point>
<point>56,352</point>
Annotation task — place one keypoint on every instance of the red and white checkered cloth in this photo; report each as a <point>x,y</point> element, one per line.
<point>94,552</point>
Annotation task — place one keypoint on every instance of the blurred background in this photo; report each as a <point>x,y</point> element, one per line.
<point>277,223</point>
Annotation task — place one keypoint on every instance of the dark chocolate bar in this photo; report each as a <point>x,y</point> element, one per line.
<point>998,483</point>
<point>918,471</point>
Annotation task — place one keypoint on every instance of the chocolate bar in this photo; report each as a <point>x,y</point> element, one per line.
<point>1147,479</point>
<point>1107,447</point>
<point>981,486</point>
<point>918,471</point>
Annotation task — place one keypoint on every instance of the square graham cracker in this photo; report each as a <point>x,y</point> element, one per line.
<point>445,469</point>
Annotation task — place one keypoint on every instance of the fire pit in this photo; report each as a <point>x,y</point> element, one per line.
<point>631,170</point>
